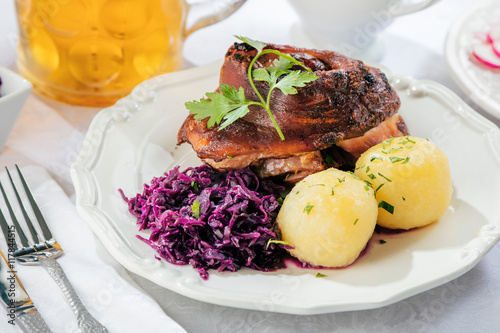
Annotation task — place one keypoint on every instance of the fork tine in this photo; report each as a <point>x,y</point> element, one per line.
<point>38,214</point>
<point>19,230</point>
<point>4,225</point>
<point>34,234</point>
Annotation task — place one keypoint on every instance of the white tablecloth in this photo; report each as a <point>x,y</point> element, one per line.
<point>49,134</point>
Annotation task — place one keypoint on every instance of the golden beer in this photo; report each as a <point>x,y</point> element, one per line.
<point>92,52</point>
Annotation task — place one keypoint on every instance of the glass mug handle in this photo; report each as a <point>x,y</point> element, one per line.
<point>206,13</point>
<point>398,7</point>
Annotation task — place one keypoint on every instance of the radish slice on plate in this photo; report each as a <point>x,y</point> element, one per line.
<point>484,53</point>
<point>496,47</point>
<point>481,36</point>
<point>494,33</point>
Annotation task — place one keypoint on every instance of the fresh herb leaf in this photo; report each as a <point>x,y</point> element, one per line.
<point>294,79</point>
<point>261,74</point>
<point>308,208</point>
<point>271,74</point>
<point>408,138</point>
<point>395,159</point>
<point>275,241</point>
<point>381,175</point>
<point>386,206</point>
<point>234,115</point>
<point>214,108</point>
<point>232,93</point>
<point>329,159</point>
<point>356,221</point>
<point>194,185</point>
<point>219,105</point>
<point>195,209</point>
<point>353,175</point>
<point>403,142</point>
<point>253,43</point>
<point>387,143</point>
<point>281,66</point>
<point>319,275</point>
<point>382,241</point>
<point>391,150</point>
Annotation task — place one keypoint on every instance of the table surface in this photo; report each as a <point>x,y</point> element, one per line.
<point>50,134</point>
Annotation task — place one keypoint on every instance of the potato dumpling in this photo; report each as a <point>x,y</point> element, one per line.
<point>328,218</point>
<point>412,181</point>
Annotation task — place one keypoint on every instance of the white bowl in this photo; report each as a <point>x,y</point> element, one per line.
<point>14,91</point>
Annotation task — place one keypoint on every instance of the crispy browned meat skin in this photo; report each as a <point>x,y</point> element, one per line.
<point>392,127</point>
<point>347,100</point>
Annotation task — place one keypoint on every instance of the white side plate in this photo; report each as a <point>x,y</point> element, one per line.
<point>481,85</point>
<point>135,140</point>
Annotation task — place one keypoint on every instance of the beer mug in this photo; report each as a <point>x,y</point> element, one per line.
<point>92,52</point>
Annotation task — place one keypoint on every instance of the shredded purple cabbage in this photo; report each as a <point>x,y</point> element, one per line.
<point>211,220</point>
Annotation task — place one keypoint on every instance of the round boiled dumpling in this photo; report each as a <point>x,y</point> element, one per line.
<point>412,181</point>
<point>328,218</point>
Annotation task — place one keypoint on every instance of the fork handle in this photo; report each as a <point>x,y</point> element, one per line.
<point>86,323</point>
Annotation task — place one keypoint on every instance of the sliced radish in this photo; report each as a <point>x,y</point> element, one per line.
<point>484,53</point>
<point>496,47</point>
<point>494,33</point>
<point>481,36</point>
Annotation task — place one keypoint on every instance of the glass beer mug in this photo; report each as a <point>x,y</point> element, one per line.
<point>92,52</point>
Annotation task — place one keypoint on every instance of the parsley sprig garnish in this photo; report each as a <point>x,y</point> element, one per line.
<point>225,107</point>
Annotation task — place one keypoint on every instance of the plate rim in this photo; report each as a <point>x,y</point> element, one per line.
<point>83,178</point>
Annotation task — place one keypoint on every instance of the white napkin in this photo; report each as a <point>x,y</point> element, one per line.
<point>102,284</point>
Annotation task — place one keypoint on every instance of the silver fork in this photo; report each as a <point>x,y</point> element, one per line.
<point>44,250</point>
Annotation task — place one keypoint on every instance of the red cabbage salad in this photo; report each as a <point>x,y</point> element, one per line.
<point>211,219</point>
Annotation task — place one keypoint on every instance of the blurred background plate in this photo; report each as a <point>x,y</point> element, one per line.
<point>481,85</point>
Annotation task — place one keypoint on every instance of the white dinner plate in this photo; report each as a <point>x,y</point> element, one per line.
<point>480,84</point>
<point>130,143</point>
